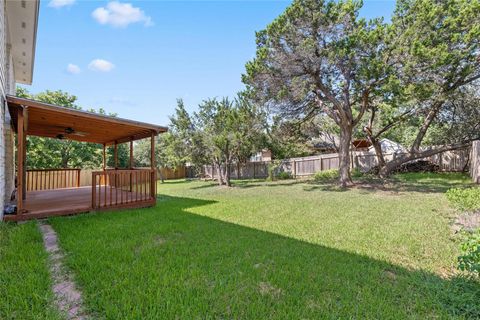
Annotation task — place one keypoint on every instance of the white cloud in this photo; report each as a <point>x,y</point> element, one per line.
<point>101,65</point>
<point>73,68</point>
<point>120,15</point>
<point>60,3</point>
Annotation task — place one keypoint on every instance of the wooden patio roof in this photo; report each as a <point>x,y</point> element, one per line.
<point>47,120</point>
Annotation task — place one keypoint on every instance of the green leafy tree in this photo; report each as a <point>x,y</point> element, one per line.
<point>436,49</point>
<point>123,156</point>
<point>229,131</point>
<point>320,58</point>
<point>163,145</point>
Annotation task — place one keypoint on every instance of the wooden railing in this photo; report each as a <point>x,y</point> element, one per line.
<point>48,179</point>
<point>123,188</point>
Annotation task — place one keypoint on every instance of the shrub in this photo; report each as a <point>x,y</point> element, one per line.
<point>326,175</point>
<point>470,258</point>
<point>356,173</point>
<point>467,199</point>
<point>283,175</point>
<point>274,171</point>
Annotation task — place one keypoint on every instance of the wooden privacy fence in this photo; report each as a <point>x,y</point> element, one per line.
<point>307,166</point>
<point>121,188</point>
<point>48,179</point>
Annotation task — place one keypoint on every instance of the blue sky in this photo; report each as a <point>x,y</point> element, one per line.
<point>136,58</point>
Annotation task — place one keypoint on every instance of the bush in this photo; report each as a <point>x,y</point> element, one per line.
<point>470,258</point>
<point>283,175</point>
<point>467,199</point>
<point>326,175</point>
<point>274,171</point>
<point>356,173</point>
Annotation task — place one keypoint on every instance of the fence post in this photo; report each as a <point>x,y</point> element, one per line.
<point>295,169</point>
<point>254,170</point>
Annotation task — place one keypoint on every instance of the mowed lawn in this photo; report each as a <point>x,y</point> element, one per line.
<point>270,250</point>
<point>25,285</point>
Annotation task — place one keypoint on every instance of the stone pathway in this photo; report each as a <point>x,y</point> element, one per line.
<point>68,298</point>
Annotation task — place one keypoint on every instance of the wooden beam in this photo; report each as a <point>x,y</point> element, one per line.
<point>20,162</point>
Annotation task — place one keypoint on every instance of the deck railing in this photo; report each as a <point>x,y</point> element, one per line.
<point>123,188</point>
<point>48,179</point>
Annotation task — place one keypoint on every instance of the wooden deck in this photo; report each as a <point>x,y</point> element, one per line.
<point>68,201</point>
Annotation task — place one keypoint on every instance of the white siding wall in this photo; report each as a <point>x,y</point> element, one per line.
<point>7,86</point>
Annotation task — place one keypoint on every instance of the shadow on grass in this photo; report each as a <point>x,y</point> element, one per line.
<point>167,261</point>
<point>265,183</point>
<point>253,183</point>
<point>178,181</point>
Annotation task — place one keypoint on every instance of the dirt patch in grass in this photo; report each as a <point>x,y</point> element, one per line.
<point>67,296</point>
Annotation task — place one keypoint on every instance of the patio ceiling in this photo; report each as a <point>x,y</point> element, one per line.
<point>46,120</point>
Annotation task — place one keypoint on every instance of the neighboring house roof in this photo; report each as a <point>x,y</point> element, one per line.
<point>389,146</point>
<point>22,19</point>
<point>361,143</point>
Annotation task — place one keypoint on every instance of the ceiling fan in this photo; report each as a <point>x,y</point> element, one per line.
<point>70,131</point>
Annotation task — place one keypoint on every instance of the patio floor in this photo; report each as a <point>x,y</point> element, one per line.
<point>58,202</point>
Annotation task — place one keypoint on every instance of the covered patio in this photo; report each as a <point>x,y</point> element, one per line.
<point>42,193</point>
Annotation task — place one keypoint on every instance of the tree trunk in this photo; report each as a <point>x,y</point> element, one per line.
<point>161,174</point>
<point>344,156</point>
<point>378,151</point>
<point>226,176</point>
<point>219,173</point>
<point>388,168</point>
<point>395,163</point>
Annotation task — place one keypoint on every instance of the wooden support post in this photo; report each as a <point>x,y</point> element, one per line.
<point>20,160</point>
<point>115,155</point>
<point>115,163</point>
<point>131,165</point>
<point>104,158</point>
<point>131,154</point>
<point>153,180</point>
<point>294,169</point>
<point>24,173</point>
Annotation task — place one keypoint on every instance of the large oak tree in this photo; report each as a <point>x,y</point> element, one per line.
<point>320,58</point>
<point>435,49</point>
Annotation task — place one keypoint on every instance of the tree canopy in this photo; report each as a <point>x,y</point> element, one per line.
<point>320,58</point>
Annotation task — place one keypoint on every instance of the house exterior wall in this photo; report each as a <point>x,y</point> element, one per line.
<point>7,86</point>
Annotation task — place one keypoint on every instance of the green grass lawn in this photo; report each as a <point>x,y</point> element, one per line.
<point>261,250</point>
<point>24,279</point>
